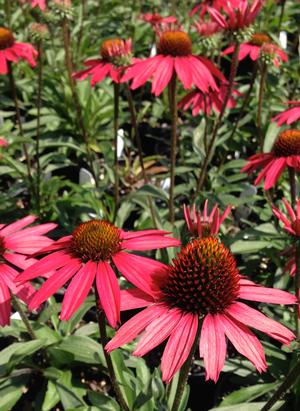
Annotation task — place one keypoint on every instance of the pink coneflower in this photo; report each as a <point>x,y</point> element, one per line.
<point>207,28</point>
<point>3,142</point>
<point>203,6</point>
<point>11,51</point>
<point>174,58</point>
<point>206,102</point>
<point>239,14</point>
<point>16,243</point>
<point>259,46</point>
<point>285,153</point>
<point>156,19</point>
<point>86,256</point>
<point>290,115</point>
<point>202,284</point>
<point>115,56</point>
<point>36,3</point>
<point>204,225</point>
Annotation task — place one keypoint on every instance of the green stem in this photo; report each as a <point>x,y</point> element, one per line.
<point>184,373</point>
<point>110,367</point>
<point>286,384</point>
<point>263,76</point>
<point>174,117</point>
<point>292,178</point>
<point>116,160</point>
<point>38,125</point>
<point>7,11</point>
<point>233,70</point>
<point>19,309</point>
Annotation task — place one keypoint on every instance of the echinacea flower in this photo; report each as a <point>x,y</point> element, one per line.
<point>115,56</point>
<point>201,288</point>
<point>36,3</point>
<point>85,258</point>
<point>239,14</point>
<point>292,221</point>
<point>203,6</point>
<point>3,142</point>
<point>156,19</point>
<point>12,51</point>
<point>207,28</point>
<point>259,46</point>
<point>16,244</point>
<point>174,57</point>
<point>285,153</point>
<point>204,225</point>
<point>206,102</point>
<point>290,115</point>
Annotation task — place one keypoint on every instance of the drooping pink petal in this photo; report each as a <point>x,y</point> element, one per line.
<point>109,292</point>
<point>133,298</point>
<point>179,346</point>
<point>126,235</point>
<point>18,225</point>
<point>212,346</point>
<point>274,172</point>
<point>255,319</point>
<point>4,304</point>
<point>162,75</point>
<point>23,291</point>
<point>132,328</point>
<point>244,341</point>
<point>149,242</point>
<point>54,283</point>
<point>158,330</point>
<point>254,292</point>
<point>182,68</point>
<point>78,290</point>
<point>28,245</point>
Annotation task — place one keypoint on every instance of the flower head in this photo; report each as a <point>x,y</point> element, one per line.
<point>292,221</point>
<point>156,19</point>
<point>12,51</point>
<point>115,56</point>
<point>16,244</point>
<point>174,57</point>
<point>205,102</point>
<point>260,46</point>
<point>85,257</point>
<point>202,285</point>
<point>239,14</point>
<point>204,225</point>
<point>290,115</point>
<point>285,153</point>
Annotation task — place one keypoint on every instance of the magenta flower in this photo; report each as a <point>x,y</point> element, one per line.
<point>36,3</point>
<point>115,56</point>
<point>174,57</point>
<point>285,153</point>
<point>239,14</point>
<point>156,19</point>
<point>290,115</point>
<point>204,225</point>
<point>206,102</point>
<point>16,244</point>
<point>203,7</point>
<point>85,257</point>
<point>202,287</point>
<point>207,28</point>
<point>3,142</point>
<point>11,51</point>
<point>259,45</point>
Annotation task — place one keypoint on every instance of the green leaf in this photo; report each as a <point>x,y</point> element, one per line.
<point>254,406</point>
<point>51,397</point>
<point>11,391</point>
<point>103,401</point>
<point>243,247</point>
<point>123,376</point>
<point>248,394</point>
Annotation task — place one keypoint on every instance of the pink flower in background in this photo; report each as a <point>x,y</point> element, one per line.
<point>239,14</point>
<point>205,102</point>
<point>290,115</point>
<point>174,57</point>
<point>207,28</point>
<point>85,257</point>
<point>292,221</point>
<point>203,282</point>
<point>204,225</point>
<point>12,51</point>
<point>3,142</point>
<point>36,3</point>
<point>115,56</point>
<point>203,6</point>
<point>285,153</point>
<point>16,244</point>
<point>259,45</point>
<point>156,19</point>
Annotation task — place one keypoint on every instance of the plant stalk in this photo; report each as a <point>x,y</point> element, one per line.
<point>174,118</point>
<point>233,70</point>
<point>38,125</point>
<point>116,160</point>
<point>263,76</point>
<point>110,367</point>
<point>19,309</point>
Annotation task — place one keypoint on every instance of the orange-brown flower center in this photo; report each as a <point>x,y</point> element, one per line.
<point>95,240</point>
<point>174,43</point>
<point>6,38</point>
<point>110,47</point>
<point>203,278</point>
<point>287,143</point>
<point>258,39</point>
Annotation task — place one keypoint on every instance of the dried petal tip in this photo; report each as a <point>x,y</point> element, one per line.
<point>203,278</point>
<point>287,143</point>
<point>174,43</point>
<point>6,38</point>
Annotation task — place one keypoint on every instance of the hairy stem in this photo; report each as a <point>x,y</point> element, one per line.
<point>116,127</point>
<point>174,117</point>
<point>286,384</point>
<point>292,178</point>
<point>18,307</point>
<point>233,70</point>
<point>110,367</point>
<point>263,76</point>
